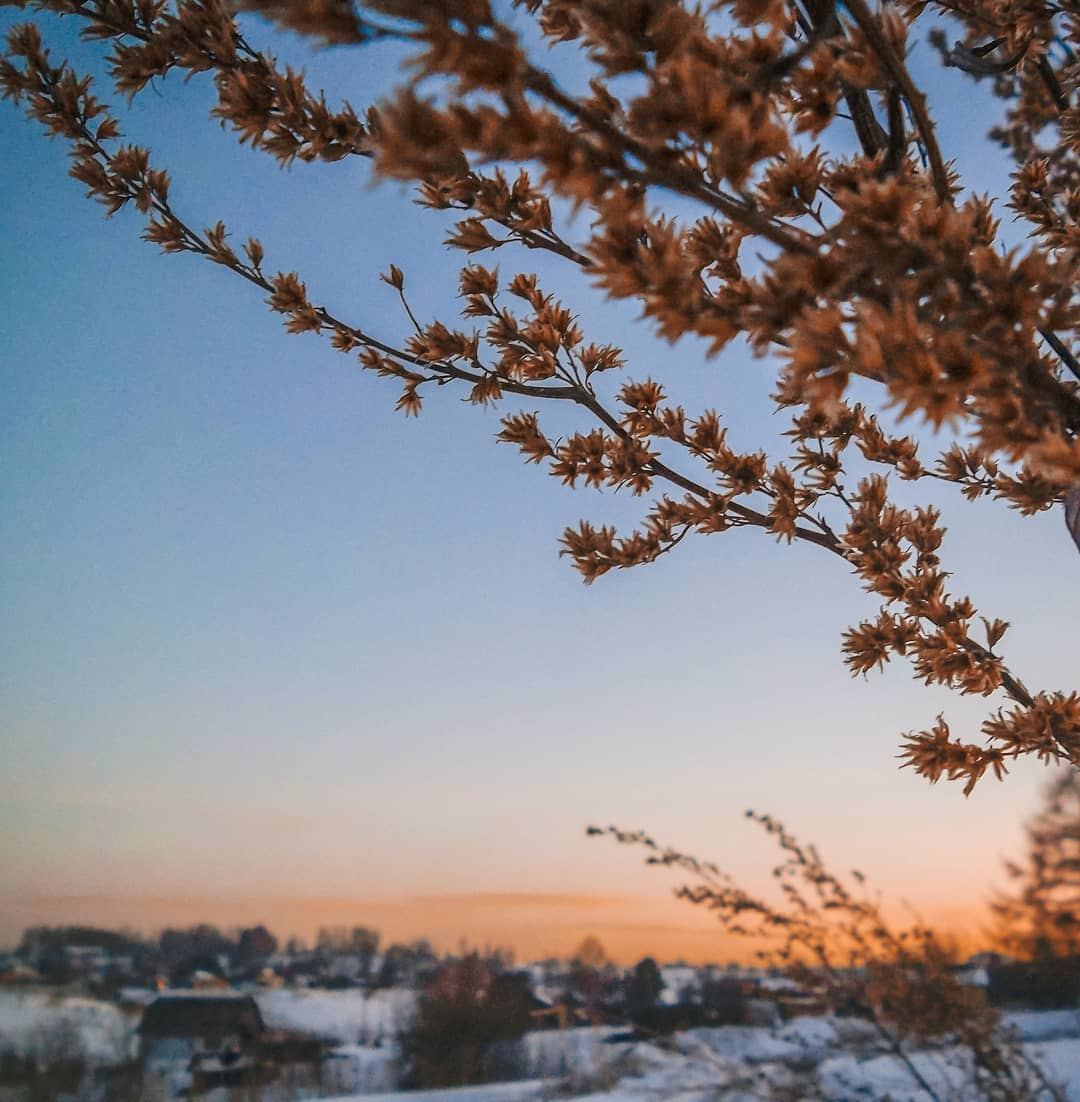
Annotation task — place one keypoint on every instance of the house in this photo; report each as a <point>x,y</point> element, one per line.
<point>682,984</point>
<point>16,973</point>
<point>181,1025</point>
<point>972,975</point>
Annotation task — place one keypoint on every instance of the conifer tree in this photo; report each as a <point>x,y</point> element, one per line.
<point>1040,919</point>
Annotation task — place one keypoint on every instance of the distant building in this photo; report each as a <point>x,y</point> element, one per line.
<point>15,974</point>
<point>181,1026</point>
<point>682,984</point>
<point>973,975</point>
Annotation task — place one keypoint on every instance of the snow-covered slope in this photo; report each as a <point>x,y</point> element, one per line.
<point>36,1023</point>
<point>349,1017</point>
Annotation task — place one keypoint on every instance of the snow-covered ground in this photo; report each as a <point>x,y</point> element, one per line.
<point>534,1090</point>
<point>840,1060</point>
<point>103,1033</point>
<point>1044,1025</point>
<point>558,1053</point>
<point>34,1023</point>
<point>362,1070</point>
<point>348,1017</point>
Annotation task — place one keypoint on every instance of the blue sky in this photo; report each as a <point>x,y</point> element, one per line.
<point>268,640</point>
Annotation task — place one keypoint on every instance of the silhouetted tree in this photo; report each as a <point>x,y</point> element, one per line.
<point>255,944</point>
<point>364,944</point>
<point>332,940</point>
<point>588,985</point>
<point>643,988</point>
<point>1041,918</point>
<point>590,953</point>
<point>1039,921</point>
<point>394,967</point>
<point>461,1017</point>
<point>203,940</point>
<point>36,939</point>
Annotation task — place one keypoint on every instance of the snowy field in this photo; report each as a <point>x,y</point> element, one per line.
<point>49,1026</point>
<point>348,1017</point>
<point>839,1060</point>
<point>530,1091</point>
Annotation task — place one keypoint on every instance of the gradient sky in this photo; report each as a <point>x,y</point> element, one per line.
<point>272,652</point>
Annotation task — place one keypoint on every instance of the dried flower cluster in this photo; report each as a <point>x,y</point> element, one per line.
<point>842,268</point>
<point>834,938</point>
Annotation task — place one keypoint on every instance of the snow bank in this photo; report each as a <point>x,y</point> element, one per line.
<point>349,1017</point>
<point>36,1024</point>
<point>743,1044</point>
<point>357,1069</point>
<point>1043,1025</point>
<point>849,1079</point>
<point>1060,1060</point>
<point>557,1052</point>
<point>530,1091</point>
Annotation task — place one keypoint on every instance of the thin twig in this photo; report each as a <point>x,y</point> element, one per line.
<point>869,26</point>
<point>1049,78</point>
<point>1062,350</point>
<point>683,182</point>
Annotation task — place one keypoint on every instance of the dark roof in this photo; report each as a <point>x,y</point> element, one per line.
<point>208,1016</point>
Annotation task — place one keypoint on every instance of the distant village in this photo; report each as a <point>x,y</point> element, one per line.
<point>196,1009</point>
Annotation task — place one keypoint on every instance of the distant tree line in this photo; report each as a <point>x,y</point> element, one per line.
<point>179,952</point>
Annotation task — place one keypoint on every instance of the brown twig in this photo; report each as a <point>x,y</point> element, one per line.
<point>868,24</point>
<point>682,182</point>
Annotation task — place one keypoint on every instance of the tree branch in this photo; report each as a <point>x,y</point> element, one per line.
<point>682,182</point>
<point>868,24</point>
<point>1062,350</point>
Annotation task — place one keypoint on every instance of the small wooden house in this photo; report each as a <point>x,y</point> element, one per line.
<point>180,1025</point>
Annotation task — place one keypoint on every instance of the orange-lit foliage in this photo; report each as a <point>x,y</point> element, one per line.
<point>833,938</point>
<point>841,267</point>
<point>1040,919</point>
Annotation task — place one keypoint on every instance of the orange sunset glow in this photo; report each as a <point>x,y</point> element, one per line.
<point>535,925</point>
